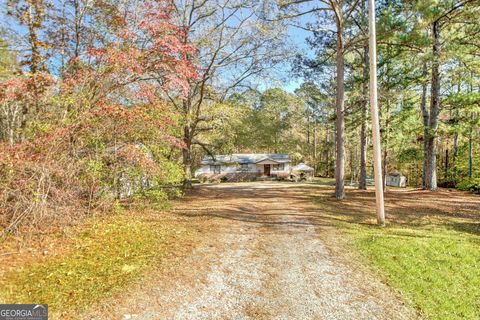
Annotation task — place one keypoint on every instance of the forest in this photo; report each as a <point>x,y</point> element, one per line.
<point>106,100</point>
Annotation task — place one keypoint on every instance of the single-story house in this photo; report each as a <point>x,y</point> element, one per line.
<point>255,164</point>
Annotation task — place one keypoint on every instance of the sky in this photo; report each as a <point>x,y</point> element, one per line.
<point>284,77</point>
<point>297,37</point>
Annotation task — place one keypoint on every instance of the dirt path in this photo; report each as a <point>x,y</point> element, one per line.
<point>269,255</point>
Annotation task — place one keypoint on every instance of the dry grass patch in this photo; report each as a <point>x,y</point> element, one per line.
<point>101,257</point>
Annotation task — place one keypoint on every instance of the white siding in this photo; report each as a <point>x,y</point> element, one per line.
<point>252,167</point>
<point>204,169</point>
<point>286,168</point>
<point>260,168</point>
<point>228,169</point>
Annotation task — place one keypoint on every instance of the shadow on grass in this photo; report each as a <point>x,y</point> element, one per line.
<point>314,204</point>
<point>408,208</point>
<point>467,227</point>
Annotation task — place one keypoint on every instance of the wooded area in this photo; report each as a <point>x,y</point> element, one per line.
<point>103,100</point>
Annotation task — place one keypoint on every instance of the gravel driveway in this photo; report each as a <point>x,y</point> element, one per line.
<point>269,255</point>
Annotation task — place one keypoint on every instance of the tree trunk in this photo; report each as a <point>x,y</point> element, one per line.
<point>385,150</point>
<point>187,157</point>
<point>308,129</point>
<point>364,128</point>
<point>386,128</point>
<point>446,163</point>
<point>470,154</point>
<point>78,28</point>
<point>455,138</point>
<point>455,155</point>
<point>423,108</point>
<point>340,112</point>
<point>352,165</point>
<point>431,163</point>
<point>327,153</point>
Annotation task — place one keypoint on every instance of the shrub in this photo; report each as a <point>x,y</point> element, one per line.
<point>98,132</point>
<point>283,176</point>
<point>218,178</point>
<point>203,178</point>
<point>70,170</point>
<point>471,184</point>
<point>448,183</point>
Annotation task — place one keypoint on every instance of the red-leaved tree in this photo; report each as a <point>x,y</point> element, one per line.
<point>105,130</point>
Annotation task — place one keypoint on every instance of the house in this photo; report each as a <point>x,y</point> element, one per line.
<point>248,165</point>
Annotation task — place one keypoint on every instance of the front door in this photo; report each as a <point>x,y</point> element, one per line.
<point>266,170</point>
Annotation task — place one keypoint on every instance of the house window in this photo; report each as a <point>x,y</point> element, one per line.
<point>215,169</point>
<point>244,166</point>
<point>279,167</point>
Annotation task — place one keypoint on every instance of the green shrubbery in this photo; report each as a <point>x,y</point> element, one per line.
<point>471,184</point>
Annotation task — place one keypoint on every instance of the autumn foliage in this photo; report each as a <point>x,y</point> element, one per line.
<point>99,131</point>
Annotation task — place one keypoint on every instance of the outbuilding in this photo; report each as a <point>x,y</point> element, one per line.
<point>302,172</point>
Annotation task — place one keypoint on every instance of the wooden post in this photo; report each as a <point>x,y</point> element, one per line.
<point>377,160</point>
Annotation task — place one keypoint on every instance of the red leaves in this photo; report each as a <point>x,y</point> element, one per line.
<point>109,97</point>
<point>24,89</point>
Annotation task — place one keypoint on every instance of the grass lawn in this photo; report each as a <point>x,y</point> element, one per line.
<point>429,251</point>
<point>100,258</point>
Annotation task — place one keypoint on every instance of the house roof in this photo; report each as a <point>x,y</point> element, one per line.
<point>246,158</point>
<point>302,167</point>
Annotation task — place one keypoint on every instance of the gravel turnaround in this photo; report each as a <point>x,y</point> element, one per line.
<point>270,256</point>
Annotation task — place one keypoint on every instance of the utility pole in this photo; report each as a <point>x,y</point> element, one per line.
<point>377,152</point>
<point>315,145</point>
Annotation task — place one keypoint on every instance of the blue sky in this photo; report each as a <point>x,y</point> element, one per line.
<point>296,38</point>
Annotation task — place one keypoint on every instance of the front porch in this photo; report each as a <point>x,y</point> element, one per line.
<point>265,167</point>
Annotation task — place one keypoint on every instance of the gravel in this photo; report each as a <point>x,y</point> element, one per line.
<point>267,260</point>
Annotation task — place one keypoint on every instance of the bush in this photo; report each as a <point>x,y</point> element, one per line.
<point>448,183</point>
<point>283,176</point>
<point>156,198</point>
<point>203,178</point>
<point>217,178</point>
<point>62,175</point>
<point>471,184</point>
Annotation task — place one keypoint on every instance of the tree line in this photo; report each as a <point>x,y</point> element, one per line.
<point>428,89</point>
<point>102,100</point>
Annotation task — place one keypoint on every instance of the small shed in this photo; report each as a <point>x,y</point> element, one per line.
<point>396,179</point>
<point>302,171</point>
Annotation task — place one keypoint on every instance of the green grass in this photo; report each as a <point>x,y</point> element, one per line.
<point>323,181</point>
<point>104,257</point>
<point>437,270</point>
